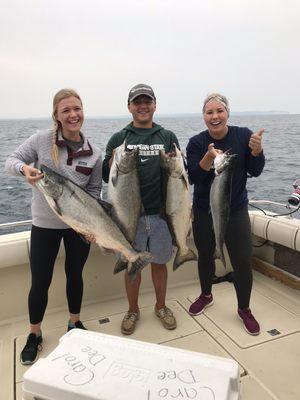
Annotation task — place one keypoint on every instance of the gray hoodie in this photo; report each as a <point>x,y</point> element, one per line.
<point>82,167</point>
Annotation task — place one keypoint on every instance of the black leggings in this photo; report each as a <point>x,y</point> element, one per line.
<point>44,247</point>
<point>238,242</point>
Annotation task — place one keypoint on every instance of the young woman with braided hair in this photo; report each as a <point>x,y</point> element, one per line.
<point>66,150</point>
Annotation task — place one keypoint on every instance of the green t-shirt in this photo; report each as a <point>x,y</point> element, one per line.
<point>149,141</point>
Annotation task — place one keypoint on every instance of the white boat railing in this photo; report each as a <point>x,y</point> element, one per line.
<point>275,203</point>
<point>270,202</point>
<point>15,224</point>
<point>291,210</point>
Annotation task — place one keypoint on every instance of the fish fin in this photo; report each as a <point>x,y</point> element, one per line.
<point>185,180</point>
<point>114,178</point>
<point>82,237</point>
<point>164,216</point>
<point>120,265</point>
<point>229,277</point>
<point>142,210</point>
<point>184,161</point>
<point>164,183</point>
<point>226,278</point>
<point>192,216</point>
<point>122,227</point>
<point>172,233</point>
<point>105,250</point>
<point>219,255</point>
<point>182,258</point>
<point>57,208</point>
<point>133,274</point>
<point>142,260</point>
<point>106,205</point>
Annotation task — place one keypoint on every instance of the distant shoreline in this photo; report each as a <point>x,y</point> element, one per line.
<point>177,115</point>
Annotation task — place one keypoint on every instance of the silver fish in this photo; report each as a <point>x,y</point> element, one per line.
<point>124,190</point>
<point>178,204</point>
<point>124,194</point>
<point>220,196</point>
<point>88,216</point>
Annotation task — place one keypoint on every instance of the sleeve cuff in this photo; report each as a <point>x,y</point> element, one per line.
<point>21,170</point>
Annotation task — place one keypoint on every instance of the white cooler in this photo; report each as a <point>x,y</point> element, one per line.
<point>89,365</point>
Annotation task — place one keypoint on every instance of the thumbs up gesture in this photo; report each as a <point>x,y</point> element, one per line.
<point>255,142</point>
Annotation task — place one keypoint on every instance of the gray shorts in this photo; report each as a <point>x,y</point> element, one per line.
<point>153,235</point>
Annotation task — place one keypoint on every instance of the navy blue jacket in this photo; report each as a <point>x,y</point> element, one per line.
<point>236,141</point>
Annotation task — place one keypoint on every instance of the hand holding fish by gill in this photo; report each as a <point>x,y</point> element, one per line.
<point>31,174</point>
<point>207,161</point>
<point>212,151</point>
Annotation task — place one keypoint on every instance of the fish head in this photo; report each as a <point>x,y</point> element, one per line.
<point>172,162</point>
<point>126,158</point>
<point>224,161</point>
<point>52,183</point>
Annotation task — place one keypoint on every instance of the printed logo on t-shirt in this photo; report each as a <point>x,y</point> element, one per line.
<point>147,149</point>
<point>82,163</point>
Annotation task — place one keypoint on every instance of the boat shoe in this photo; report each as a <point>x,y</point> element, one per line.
<point>129,322</point>
<point>166,316</point>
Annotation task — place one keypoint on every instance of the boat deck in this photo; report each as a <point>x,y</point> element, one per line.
<point>269,363</point>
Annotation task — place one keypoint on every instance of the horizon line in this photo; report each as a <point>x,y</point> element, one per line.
<point>165,115</point>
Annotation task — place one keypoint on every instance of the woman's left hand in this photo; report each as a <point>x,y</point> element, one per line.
<point>255,142</point>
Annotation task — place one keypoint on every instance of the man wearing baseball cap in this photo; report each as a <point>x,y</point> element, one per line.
<point>141,90</point>
<point>152,231</point>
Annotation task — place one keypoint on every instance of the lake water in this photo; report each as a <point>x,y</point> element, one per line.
<point>281,147</point>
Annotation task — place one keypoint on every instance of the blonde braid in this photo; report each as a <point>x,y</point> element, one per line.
<point>54,148</point>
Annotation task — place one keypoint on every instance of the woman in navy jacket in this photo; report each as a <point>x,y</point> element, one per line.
<point>201,152</point>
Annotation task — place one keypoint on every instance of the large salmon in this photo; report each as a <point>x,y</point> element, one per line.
<point>220,196</point>
<point>178,204</point>
<point>124,194</point>
<point>124,190</point>
<point>88,216</point>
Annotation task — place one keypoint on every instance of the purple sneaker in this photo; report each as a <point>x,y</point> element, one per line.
<point>200,304</point>
<point>250,323</point>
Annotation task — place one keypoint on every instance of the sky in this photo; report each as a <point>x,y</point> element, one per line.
<point>247,50</point>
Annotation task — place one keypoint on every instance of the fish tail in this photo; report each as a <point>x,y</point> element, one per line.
<point>219,254</point>
<point>120,265</point>
<point>182,258</point>
<point>142,260</point>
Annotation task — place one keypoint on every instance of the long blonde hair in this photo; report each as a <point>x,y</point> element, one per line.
<point>62,94</point>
